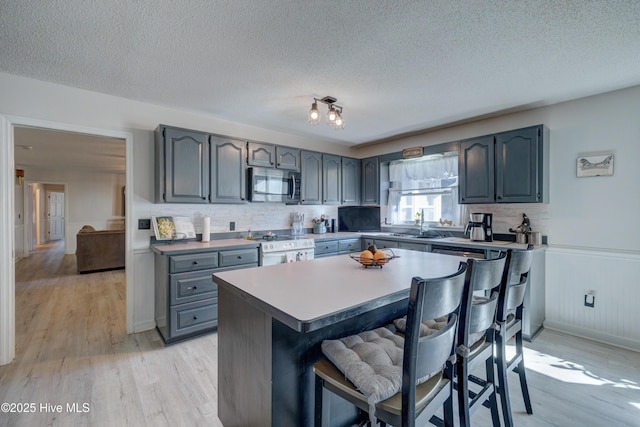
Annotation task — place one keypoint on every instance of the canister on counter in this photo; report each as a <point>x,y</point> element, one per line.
<point>535,237</point>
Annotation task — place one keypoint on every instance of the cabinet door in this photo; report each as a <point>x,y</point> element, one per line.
<point>476,170</point>
<point>311,178</point>
<point>331,179</point>
<point>261,154</point>
<point>183,166</point>
<point>288,158</point>
<point>228,177</point>
<point>518,167</point>
<point>350,181</point>
<point>370,181</point>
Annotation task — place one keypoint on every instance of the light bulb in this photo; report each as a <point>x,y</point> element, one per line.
<point>338,124</point>
<point>314,115</point>
<point>331,115</point>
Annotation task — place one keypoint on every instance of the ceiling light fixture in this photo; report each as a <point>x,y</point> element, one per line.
<point>334,114</point>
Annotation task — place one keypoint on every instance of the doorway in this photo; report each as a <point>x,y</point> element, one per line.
<point>8,126</point>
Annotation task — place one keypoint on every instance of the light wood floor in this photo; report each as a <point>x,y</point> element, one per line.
<point>72,349</point>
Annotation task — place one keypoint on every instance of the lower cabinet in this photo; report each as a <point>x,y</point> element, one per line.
<point>186,297</point>
<point>337,247</point>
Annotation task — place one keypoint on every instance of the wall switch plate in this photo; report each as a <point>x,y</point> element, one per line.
<point>144,224</point>
<point>232,226</point>
<point>590,299</point>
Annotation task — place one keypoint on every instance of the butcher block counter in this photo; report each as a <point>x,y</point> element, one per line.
<point>272,320</point>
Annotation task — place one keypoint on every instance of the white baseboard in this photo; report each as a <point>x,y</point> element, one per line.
<point>593,335</point>
<point>144,326</point>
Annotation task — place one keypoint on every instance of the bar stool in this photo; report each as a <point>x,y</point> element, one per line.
<point>474,344</point>
<point>428,358</point>
<point>509,320</point>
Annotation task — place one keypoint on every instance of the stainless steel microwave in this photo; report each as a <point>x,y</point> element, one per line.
<point>274,185</point>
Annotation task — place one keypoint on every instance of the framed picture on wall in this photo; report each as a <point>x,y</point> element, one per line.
<point>595,164</point>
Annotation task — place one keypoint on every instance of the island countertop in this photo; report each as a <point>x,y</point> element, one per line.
<point>310,295</point>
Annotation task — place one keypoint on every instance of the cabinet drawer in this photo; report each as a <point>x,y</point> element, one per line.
<point>194,286</point>
<point>194,317</point>
<point>193,262</point>
<point>351,245</point>
<point>326,247</point>
<point>385,244</point>
<point>420,247</point>
<point>239,257</point>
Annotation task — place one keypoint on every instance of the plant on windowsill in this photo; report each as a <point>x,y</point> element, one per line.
<point>417,218</point>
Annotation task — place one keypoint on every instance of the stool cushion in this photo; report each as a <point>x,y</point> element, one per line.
<point>372,361</point>
<point>427,327</point>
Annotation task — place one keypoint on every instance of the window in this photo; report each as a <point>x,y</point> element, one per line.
<point>427,186</point>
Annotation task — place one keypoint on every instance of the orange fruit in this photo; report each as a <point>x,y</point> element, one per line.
<point>379,257</point>
<point>366,257</point>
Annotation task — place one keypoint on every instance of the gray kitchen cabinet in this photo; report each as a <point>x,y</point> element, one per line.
<point>508,167</point>
<point>346,246</point>
<point>311,178</point>
<point>331,179</point>
<point>228,172</point>
<point>325,248</point>
<point>370,193</point>
<point>385,244</point>
<point>287,158</point>
<point>476,170</point>
<point>186,298</point>
<point>182,165</point>
<point>519,165</point>
<point>259,154</point>
<point>350,176</point>
<point>273,156</point>
<point>420,247</point>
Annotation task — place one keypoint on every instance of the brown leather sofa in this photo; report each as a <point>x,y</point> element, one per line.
<point>99,250</point>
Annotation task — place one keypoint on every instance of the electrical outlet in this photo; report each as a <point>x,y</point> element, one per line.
<point>590,299</point>
<point>144,224</point>
<point>232,226</point>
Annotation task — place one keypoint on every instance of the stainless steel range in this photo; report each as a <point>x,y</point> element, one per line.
<point>276,251</point>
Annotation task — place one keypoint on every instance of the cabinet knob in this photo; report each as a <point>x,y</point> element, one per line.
<point>195,262</point>
<point>239,257</point>
<point>195,287</point>
<point>195,317</point>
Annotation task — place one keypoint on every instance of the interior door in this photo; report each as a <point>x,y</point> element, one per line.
<point>56,215</point>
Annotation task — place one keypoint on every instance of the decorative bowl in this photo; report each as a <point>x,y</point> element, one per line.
<point>374,262</point>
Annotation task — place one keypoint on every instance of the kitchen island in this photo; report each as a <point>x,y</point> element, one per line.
<point>272,320</point>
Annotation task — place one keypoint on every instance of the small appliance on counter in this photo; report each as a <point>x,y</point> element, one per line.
<point>522,230</point>
<point>480,228</point>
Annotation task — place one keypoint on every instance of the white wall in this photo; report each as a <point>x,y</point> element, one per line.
<point>590,221</point>
<point>90,199</point>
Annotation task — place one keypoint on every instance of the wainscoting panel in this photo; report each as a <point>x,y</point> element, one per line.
<point>572,273</point>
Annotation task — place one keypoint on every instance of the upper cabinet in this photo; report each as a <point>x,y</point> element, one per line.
<point>331,179</point>
<point>508,167</point>
<point>287,158</point>
<point>370,193</point>
<point>259,154</point>
<point>310,177</point>
<point>182,166</point>
<point>273,156</point>
<point>350,181</point>
<point>228,172</point>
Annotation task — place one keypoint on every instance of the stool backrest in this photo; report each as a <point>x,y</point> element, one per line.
<point>424,356</point>
<point>478,314</point>
<point>517,278</point>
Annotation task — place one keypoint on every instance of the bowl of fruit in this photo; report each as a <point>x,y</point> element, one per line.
<point>373,257</point>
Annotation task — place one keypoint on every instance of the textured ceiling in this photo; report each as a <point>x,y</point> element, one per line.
<point>395,66</point>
